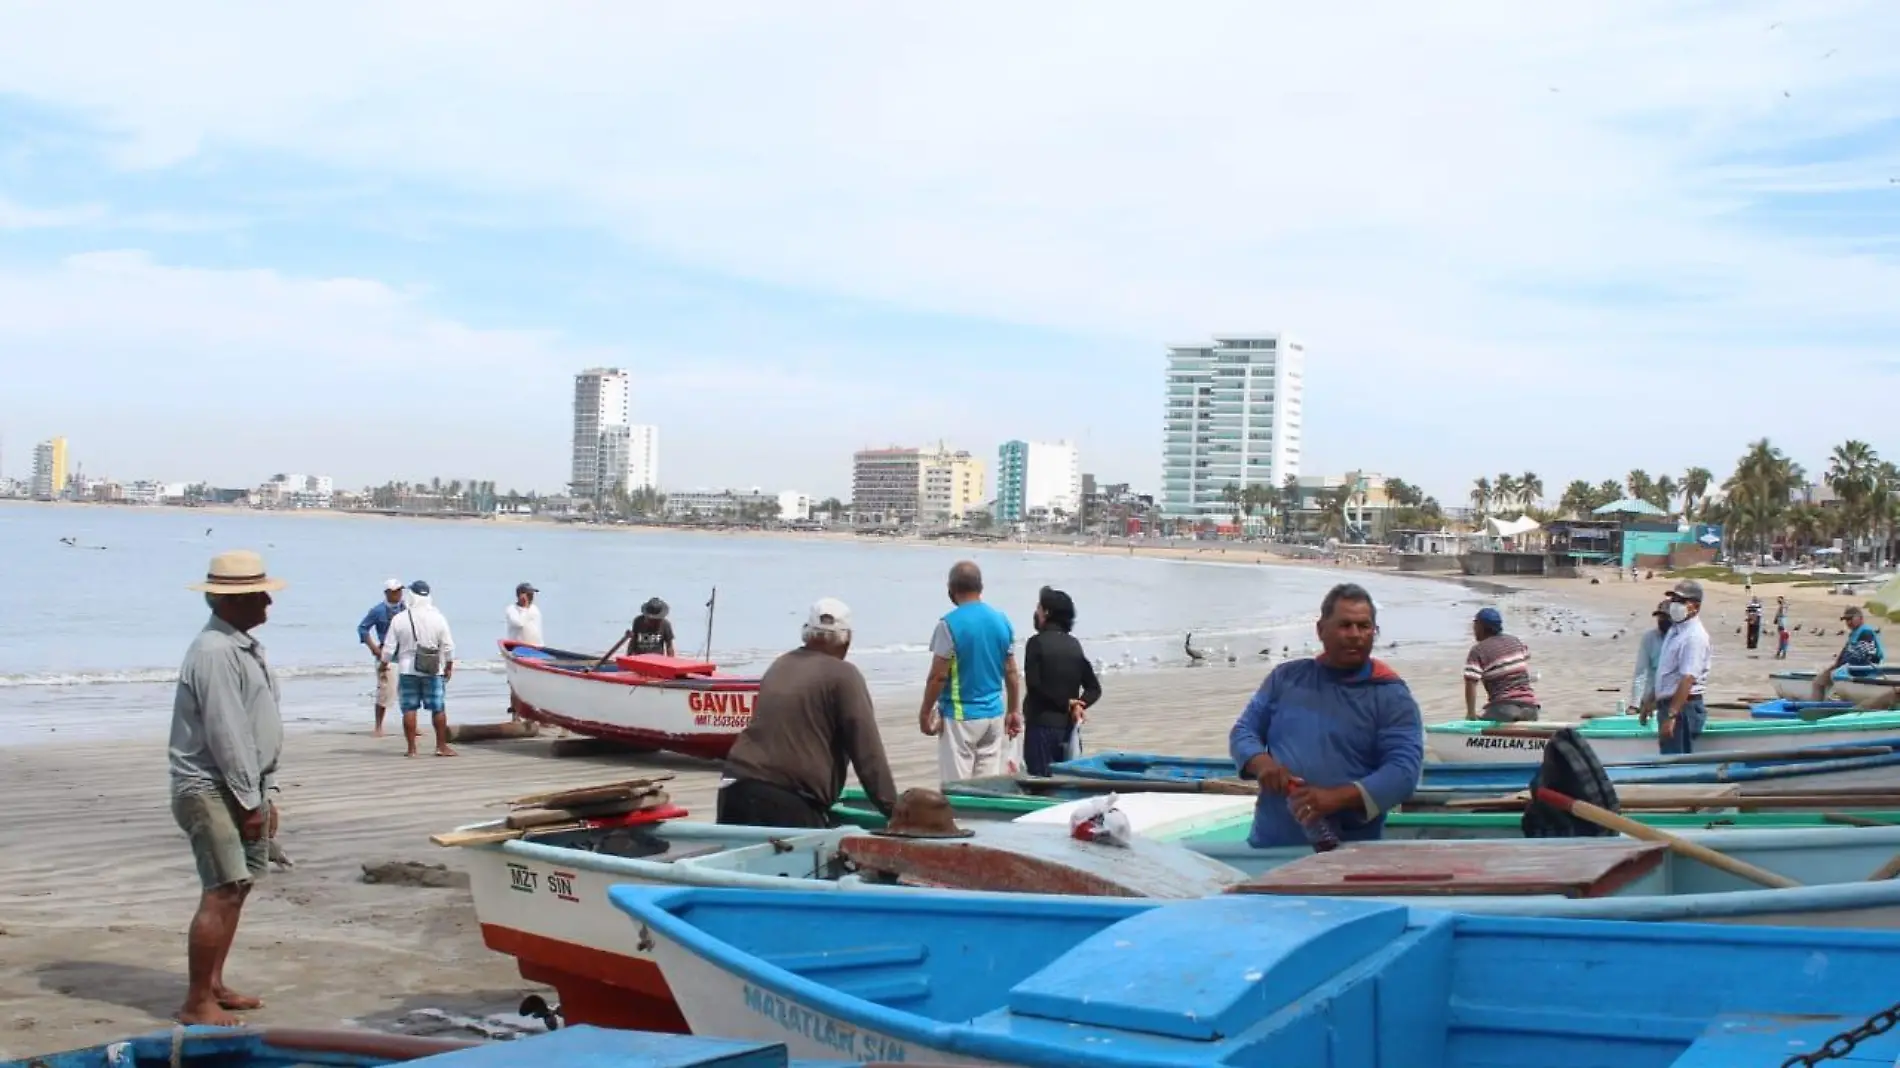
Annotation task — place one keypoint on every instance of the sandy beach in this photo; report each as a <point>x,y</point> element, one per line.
<point>98,885</point>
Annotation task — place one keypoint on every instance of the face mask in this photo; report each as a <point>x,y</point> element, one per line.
<point>1662,625</point>
<point>1678,611</point>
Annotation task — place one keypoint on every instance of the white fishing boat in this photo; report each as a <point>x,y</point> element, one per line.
<point>1849,684</point>
<point>645,702</point>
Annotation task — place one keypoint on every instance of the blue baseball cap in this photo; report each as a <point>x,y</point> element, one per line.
<point>419,587</point>
<point>1490,618</point>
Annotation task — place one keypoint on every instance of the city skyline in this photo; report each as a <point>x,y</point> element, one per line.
<point>1613,230</point>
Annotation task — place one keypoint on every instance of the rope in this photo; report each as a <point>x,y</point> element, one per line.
<point>178,1046</point>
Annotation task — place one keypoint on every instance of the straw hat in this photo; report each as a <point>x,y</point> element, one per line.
<point>238,571</point>
<point>923,813</point>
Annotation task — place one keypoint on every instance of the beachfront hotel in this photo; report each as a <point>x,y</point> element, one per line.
<point>932,487</point>
<point>1232,418</point>
<point>1037,479</point>
<point>610,450</point>
<point>49,469</point>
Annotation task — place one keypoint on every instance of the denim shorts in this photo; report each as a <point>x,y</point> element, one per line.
<point>423,691</point>
<point>210,819</point>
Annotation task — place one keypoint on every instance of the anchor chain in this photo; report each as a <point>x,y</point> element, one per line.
<point>1842,1044</point>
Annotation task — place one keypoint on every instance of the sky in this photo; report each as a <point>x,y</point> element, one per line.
<point>377,240</point>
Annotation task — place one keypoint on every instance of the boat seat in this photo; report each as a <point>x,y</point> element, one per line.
<point>1593,868</point>
<point>888,975</point>
<point>1743,1039</point>
<point>1208,969</point>
<point>656,666</point>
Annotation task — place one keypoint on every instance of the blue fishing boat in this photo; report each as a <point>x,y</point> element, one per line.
<point>1783,708</point>
<point>574,1047</point>
<point>978,979</point>
<point>1808,769</point>
<point>1854,683</point>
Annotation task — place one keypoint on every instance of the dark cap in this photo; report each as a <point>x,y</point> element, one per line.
<point>1661,610</point>
<point>525,587</point>
<point>419,587</point>
<point>1687,590</point>
<point>1490,617</point>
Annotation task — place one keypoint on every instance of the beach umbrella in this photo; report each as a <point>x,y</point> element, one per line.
<point>1885,603</point>
<point>1629,506</point>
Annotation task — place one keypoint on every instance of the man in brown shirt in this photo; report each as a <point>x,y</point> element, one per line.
<point>813,714</point>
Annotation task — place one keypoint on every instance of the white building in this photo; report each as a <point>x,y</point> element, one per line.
<point>1232,418</point>
<point>793,506</point>
<point>296,491</point>
<point>1035,480</point>
<point>722,503</point>
<point>602,399</point>
<point>629,457</point>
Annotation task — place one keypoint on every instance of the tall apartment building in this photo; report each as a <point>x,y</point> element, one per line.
<point>1232,418</point>
<point>933,487</point>
<point>1037,479</point>
<point>630,457</point>
<point>49,469</point>
<point>602,398</point>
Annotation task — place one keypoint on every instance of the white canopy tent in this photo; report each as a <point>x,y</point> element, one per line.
<point>1512,528</point>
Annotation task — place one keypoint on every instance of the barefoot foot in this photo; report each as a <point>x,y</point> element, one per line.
<point>206,1013</point>
<point>443,750</point>
<point>377,733</point>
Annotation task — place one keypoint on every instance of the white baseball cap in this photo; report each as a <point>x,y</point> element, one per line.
<point>830,614</point>
<point>392,584</point>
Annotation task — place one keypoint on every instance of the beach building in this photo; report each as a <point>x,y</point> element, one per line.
<point>49,469</point>
<point>602,398</point>
<point>295,491</point>
<point>793,506</point>
<point>1036,480</point>
<point>932,486</point>
<point>739,505</point>
<point>1232,417</point>
<point>629,457</point>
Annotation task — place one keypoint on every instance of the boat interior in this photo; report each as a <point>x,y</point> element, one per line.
<point>1252,981</point>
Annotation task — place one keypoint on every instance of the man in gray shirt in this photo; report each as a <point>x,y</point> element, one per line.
<point>227,735</point>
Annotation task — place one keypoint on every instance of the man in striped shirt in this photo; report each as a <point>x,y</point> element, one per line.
<point>1502,664</point>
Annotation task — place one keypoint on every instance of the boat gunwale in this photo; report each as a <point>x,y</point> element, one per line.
<point>705,684</point>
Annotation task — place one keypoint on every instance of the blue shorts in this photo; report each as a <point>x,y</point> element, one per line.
<point>422,691</point>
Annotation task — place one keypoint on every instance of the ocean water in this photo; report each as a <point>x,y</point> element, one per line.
<point>98,627</point>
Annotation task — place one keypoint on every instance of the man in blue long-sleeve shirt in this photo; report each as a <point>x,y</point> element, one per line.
<point>1338,735</point>
<point>376,622</point>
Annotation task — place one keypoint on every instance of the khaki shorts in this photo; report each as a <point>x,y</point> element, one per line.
<point>210,820</point>
<point>386,686</point>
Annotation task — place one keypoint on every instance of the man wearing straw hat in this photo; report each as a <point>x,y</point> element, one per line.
<point>227,735</point>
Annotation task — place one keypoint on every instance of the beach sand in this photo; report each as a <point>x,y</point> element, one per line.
<point>98,884</point>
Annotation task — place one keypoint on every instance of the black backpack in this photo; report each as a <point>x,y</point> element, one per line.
<point>1571,768</point>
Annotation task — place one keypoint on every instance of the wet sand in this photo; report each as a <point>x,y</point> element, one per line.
<point>98,884</point>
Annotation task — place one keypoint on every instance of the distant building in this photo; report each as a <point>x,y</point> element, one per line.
<point>794,507</point>
<point>295,491</point>
<point>1036,480</point>
<point>602,399</point>
<point>752,504</point>
<point>935,487</point>
<point>1232,417</point>
<point>1368,510</point>
<point>629,458</point>
<point>49,469</point>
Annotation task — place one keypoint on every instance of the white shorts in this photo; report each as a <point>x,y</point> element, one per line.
<point>974,748</point>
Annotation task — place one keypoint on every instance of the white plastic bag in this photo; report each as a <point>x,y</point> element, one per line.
<point>1101,822</point>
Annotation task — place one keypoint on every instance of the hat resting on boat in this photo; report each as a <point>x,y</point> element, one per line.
<point>923,813</point>
<point>238,571</point>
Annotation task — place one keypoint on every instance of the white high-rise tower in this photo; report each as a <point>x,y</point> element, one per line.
<point>1232,417</point>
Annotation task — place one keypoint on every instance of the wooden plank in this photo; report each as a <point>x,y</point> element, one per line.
<point>1039,859</point>
<point>498,831</point>
<point>1570,868</point>
<point>589,794</point>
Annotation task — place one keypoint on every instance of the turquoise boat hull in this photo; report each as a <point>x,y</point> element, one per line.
<point>1244,980</point>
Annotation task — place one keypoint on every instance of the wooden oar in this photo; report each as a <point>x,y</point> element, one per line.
<point>1623,825</point>
<point>1235,787</point>
<point>611,652</point>
<point>1735,756</point>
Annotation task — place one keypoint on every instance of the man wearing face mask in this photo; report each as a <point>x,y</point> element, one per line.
<point>1682,671</point>
<point>1648,655</point>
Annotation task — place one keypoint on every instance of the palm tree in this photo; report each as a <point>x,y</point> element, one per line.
<point>1289,503</point>
<point>1530,488</point>
<point>1639,484</point>
<point>1481,497</point>
<point>1504,491</point>
<point>1695,486</point>
<point>1666,490</point>
<point>1759,492</point>
<point>1231,493</point>
<point>1851,472</point>
<point>1578,500</point>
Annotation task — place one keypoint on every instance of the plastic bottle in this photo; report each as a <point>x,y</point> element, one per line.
<point>1319,829</point>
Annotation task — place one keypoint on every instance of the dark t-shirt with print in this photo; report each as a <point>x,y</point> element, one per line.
<point>652,635</point>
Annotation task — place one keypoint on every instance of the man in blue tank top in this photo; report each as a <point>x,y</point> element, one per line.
<point>973,698</point>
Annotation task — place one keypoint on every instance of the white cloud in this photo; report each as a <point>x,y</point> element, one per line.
<point>17,216</point>
<point>1390,180</point>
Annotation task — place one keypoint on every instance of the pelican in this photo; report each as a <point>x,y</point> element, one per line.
<point>1194,655</point>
